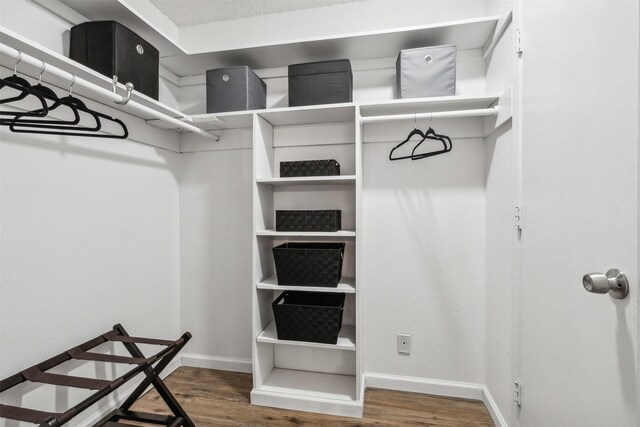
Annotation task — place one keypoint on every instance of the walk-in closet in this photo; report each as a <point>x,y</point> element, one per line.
<point>319,212</point>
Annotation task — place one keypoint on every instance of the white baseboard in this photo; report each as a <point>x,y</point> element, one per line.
<point>425,385</point>
<point>439,388</point>
<point>493,409</point>
<point>123,394</point>
<point>215,362</point>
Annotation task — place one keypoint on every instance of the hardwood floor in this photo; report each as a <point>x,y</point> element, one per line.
<point>221,398</point>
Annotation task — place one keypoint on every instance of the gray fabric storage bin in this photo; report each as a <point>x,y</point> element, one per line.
<point>426,71</point>
<point>325,82</point>
<point>235,89</point>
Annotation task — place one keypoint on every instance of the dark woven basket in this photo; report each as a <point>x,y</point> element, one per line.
<point>330,220</point>
<point>309,168</point>
<point>308,316</point>
<point>309,264</point>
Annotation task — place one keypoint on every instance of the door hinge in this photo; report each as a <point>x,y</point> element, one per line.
<point>517,392</point>
<point>518,41</point>
<point>518,218</point>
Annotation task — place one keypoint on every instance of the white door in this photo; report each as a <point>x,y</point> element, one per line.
<point>580,190</point>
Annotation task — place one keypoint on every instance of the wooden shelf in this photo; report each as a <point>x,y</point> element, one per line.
<point>346,286</point>
<point>310,384</point>
<point>310,180</point>
<point>340,234</point>
<point>346,338</point>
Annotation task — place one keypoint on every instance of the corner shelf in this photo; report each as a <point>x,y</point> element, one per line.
<point>346,285</point>
<point>339,234</point>
<point>346,339</point>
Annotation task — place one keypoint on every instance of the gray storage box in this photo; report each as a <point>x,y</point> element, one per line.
<point>325,82</point>
<point>426,71</point>
<point>234,89</point>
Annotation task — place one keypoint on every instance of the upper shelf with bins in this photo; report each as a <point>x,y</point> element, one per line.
<point>47,55</point>
<point>200,55</point>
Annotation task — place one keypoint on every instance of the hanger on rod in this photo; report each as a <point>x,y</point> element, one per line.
<point>70,101</point>
<point>24,87</point>
<point>24,122</point>
<point>413,133</point>
<point>431,134</point>
<point>48,94</point>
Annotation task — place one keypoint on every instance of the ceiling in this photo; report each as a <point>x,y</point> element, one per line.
<point>194,12</point>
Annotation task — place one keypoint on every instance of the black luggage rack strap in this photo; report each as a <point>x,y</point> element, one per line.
<point>161,359</point>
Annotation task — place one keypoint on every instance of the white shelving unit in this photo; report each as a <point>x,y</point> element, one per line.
<point>293,374</point>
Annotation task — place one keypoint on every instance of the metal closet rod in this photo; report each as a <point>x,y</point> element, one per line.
<point>493,111</point>
<point>106,93</point>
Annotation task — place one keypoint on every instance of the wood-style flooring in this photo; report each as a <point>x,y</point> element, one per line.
<point>221,398</point>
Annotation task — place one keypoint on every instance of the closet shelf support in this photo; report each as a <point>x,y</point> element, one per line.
<point>103,92</point>
<point>482,112</point>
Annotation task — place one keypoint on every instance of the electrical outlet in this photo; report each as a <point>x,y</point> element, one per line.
<point>404,343</point>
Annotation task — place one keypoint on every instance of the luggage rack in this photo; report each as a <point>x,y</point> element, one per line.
<point>38,374</point>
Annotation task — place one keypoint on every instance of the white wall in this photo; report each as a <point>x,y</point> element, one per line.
<point>424,244</point>
<point>90,238</point>
<point>501,234</point>
<point>216,232</point>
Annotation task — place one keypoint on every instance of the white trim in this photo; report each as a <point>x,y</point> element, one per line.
<point>425,385</point>
<point>493,408</point>
<point>216,362</point>
<point>61,11</point>
<point>294,402</point>
<point>122,395</point>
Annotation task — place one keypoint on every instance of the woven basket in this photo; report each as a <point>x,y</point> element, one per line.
<point>308,316</point>
<point>309,168</point>
<point>309,264</point>
<point>330,220</point>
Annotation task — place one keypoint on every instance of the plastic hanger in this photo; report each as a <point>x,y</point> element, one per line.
<point>413,133</point>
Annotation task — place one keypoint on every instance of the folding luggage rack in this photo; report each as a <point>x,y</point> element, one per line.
<point>143,364</point>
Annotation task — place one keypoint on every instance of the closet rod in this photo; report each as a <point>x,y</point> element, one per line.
<point>493,111</point>
<point>106,93</point>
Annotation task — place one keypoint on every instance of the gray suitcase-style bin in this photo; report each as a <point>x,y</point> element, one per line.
<point>235,89</point>
<point>426,71</point>
<point>324,82</point>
